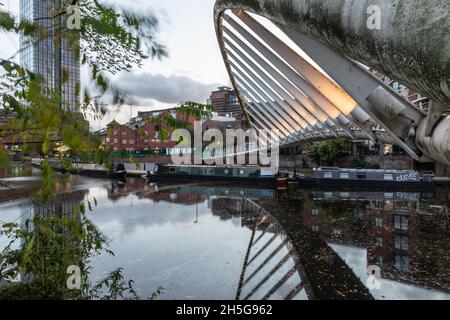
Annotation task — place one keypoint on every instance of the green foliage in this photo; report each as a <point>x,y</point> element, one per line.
<point>329,149</point>
<point>197,110</point>
<point>4,158</point>
<point>42,249</point>
<point>360,163</point>
<point>111,40</point>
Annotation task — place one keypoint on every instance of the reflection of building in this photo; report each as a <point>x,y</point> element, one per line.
<point>65,203</point>
<point>407,242</point>
<point>226,208</point>
<point>143,190</point>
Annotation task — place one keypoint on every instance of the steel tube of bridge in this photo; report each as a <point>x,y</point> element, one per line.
<point>327,109</point>
<point>301,98</point>
<point>294,105</point>
<point>257,110</point>
<point>265,122</point>
<point>319,114</point>
<point>276,119</point>
<point>269,104</point>
<point>336,95</point>
<point>296,121</point>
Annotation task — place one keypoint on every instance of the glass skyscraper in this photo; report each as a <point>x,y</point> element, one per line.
<point>58,64</point>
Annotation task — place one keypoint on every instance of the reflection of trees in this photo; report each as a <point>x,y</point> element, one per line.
<point>52,237</point>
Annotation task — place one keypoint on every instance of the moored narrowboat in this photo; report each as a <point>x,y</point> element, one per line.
<point>118,171</point>
<point>329,176</point>
<point>249,175</point>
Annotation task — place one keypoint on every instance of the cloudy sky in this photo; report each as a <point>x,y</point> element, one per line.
<point>192,70</point>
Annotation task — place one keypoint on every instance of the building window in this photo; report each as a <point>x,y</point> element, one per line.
<point>115,140</point>
<point>315,212</point>
<point>131,141</point>
<point>124,141</point>
<point>315,228</point>
<point>402,263</point>
<point>115,132</point>
<point>379,242</point>
<point>361,176</point>
<point>124,133</point>
<point>115,149</point>
<point>380,261</point>
<point>107,140</point>
<point>345,175</point>
<point>379,222</point>
<point>402,243</point>
<point>401,222</point>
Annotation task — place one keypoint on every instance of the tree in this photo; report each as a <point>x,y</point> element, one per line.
<point>110,40</point>
<point>329,149</point>
<point>43,250</point>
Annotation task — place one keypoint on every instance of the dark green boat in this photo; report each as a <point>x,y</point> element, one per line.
<point>249,175</point>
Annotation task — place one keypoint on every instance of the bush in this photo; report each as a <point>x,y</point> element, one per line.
<point>329,149</point>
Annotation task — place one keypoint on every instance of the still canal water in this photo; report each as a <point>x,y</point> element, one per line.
<point>219,242</point>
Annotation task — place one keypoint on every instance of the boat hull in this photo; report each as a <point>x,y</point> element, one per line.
<point>270,182</point>
<point>311,181</point>
<point>103,174</point>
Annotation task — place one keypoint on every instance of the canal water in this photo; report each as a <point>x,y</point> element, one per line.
<point>225,242</point>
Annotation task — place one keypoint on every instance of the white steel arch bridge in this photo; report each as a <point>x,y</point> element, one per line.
<point>305,67</point>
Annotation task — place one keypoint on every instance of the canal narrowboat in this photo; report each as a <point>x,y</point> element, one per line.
<point>249,175</point>
<point>118,171</point>
<point>328,176</point>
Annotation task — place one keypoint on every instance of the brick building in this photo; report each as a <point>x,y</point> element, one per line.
<point>120,138</point>
<point>139,133</point>
<point>225,102</point>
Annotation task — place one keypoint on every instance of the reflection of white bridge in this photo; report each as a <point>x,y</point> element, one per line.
<point>301,70</point>
<point>271,268</point>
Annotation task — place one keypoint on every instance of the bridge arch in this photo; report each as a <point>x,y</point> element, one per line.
<point>305,66</point>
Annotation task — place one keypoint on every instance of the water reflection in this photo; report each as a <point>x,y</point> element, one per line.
<point>405,234</point>
<point>196,245</point>
<point>216,241</point>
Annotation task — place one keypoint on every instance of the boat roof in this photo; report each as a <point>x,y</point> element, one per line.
<point>213,166</point>
<point>362,170</point>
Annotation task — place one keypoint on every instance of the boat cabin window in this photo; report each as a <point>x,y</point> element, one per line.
<point>389,177</point>
<point>345,175</point>
<point>361,176</point>
<point>210,171</point>
<point>241,172</point>
<point>172,169</point>
<point>328,175</point>
<point>226,171</point>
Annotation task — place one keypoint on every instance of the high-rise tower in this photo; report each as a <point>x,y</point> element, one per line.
<point>44,55</point>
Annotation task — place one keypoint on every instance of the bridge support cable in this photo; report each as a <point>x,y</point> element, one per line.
<point>330,91</point>
<point>272,106</point>
<point>265,108</point>
<point>328,111</point>
<point>310,118</point>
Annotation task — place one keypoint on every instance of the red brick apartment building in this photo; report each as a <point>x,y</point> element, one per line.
<point>122,138</point>
<point>141,134</point>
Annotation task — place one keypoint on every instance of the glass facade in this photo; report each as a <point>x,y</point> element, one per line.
<point>40,55</point>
